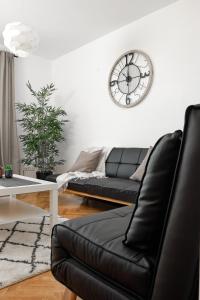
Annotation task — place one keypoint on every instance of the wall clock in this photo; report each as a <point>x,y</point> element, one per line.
<point>130,78</point>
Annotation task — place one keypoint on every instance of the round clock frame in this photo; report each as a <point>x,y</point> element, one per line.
<point>140,84</point>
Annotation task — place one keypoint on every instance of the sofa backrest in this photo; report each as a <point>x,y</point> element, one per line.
<point>123,162</point>
<point>177,273</point>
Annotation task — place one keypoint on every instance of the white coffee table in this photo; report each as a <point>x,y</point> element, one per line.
<point>12,209</point>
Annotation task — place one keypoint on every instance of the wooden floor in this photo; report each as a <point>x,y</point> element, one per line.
<point>44,286</point>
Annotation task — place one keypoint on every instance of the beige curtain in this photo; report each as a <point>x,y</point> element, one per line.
<point>9,149</point>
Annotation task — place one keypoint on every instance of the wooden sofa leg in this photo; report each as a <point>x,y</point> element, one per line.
<point>69,295</point>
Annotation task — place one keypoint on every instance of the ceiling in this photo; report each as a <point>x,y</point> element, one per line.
<point>64,25</point>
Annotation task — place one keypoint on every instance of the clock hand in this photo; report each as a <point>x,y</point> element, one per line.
<point>128,78</point>
<point>128,101</point>
<point>121,80</point>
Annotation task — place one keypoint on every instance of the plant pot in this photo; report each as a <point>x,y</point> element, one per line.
<point>8,173</point>
<point>43,174</point>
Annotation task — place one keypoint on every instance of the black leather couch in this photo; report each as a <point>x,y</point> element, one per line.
<point>91,255</point>
<point>120,164</point>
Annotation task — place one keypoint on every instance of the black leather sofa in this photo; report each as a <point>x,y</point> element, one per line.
<point>120,164</point>
<point>92,256</point>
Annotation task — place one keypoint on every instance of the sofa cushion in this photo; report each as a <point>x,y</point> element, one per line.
<point>146,224</point>
<point>115,188</point>
<point>123,162</point>
<point>139,173</point>
<point>86,161</point>
<point>96,241</point>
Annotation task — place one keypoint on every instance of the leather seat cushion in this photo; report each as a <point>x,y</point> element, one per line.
<point>115,188</point>
<point>96,241</point>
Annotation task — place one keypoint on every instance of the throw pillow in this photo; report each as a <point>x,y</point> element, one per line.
<point>138,174</point>
<point>86,161</point>
<point>145,228</point>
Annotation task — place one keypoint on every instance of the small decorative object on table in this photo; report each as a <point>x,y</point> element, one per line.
<point>8,171</point>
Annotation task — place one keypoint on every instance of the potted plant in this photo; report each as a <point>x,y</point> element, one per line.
<point>8,171</point>
<point>42,126</point>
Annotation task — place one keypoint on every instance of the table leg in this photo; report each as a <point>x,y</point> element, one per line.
<point>53,207</point>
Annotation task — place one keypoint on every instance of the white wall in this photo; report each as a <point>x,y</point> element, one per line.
<point>171,37</point>
<point>33,68</point>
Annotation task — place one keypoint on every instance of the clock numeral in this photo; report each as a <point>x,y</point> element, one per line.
<point>126,56</point>
<point>145,74</point>
<point>112,83</point>
<point>129,62</point>
<point>128,100</point>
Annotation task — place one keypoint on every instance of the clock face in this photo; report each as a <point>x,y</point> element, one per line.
<point>131,78</point>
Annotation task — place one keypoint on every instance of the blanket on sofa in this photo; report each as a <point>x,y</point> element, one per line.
<point>64,178</point>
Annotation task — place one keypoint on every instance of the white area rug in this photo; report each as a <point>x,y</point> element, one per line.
<point>24,249</point>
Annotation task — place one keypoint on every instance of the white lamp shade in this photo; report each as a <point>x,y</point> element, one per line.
<point>20,39</point>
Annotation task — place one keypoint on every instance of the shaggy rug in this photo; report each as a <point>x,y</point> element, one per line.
<point>24,249</point>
